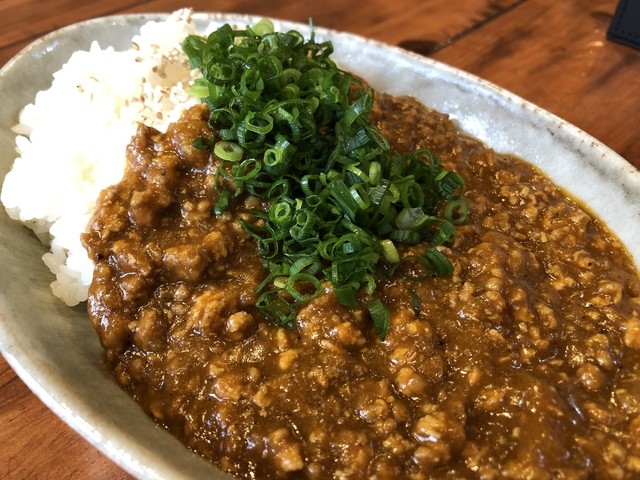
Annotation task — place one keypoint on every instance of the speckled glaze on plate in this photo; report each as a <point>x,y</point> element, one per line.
<point>54,349</point>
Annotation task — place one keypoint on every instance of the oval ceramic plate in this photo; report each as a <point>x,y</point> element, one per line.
<point>54,349</point>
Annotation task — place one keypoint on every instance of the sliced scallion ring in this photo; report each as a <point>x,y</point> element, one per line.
<point>228,151</point>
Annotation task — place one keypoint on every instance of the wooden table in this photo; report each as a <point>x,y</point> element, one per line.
<point>552,53</point>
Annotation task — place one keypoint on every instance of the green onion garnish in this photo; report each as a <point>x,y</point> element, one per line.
<point>229,151</point>
<point>293,129</point>
<point>380,317</point>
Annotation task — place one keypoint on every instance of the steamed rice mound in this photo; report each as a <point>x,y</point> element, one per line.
<point>71,140</point>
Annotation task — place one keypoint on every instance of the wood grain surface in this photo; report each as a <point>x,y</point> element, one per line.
<point>554,54</point>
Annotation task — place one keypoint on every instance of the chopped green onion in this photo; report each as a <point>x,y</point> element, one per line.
<point>346,295</point>
<point>277,309</point>
<point>380,317</point>
<point>309,265</point>
<point>263,27</point>
<point>229,151</point>
<point>260,123</point>
<point>440,264</point>
<point>390,251</point>
<point>407,236</point>
<point>411,218</point>
<point>293,129</point>
<point>449,184</point>
<point>375,173</point>
<point>444,234</point>
<point>293,283</point>
<point>222,203</point>
<point>199,89</point>
<point>415,303</point>
<point>343,198</point>
<point>457,212</point>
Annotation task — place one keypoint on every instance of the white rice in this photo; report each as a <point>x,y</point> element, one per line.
<point>71,141</point>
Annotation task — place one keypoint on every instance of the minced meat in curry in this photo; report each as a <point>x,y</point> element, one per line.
<point>524,363</point>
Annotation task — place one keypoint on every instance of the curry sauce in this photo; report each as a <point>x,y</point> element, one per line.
<point>524,363</point>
